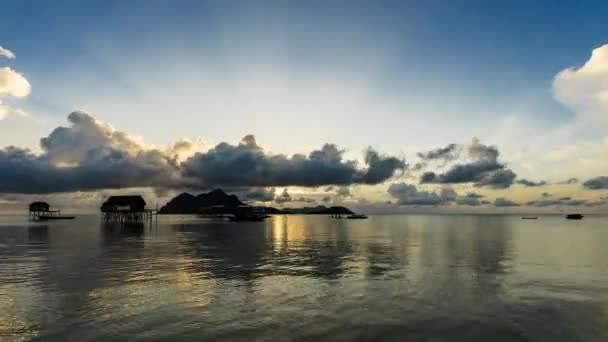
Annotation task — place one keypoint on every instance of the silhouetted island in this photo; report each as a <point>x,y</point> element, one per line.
<point>223,203</point>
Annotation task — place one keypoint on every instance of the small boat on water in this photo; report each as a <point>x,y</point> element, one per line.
<point>60,217</point>
<point>356,217</point>
<point>529,217</point>
<point>574,217</point>
<point>251,218</point>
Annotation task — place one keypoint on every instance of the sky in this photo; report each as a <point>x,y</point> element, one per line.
<point>384,106</point>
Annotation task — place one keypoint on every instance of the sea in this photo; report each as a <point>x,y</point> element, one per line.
<point>305,278</point>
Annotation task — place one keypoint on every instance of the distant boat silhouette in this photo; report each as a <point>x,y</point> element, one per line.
<point>356,216</point>
<point>49,217</point>
<point>574,217</point>
<point>529,217</point>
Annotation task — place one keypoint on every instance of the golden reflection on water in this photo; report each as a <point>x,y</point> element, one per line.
<point>14,324</point>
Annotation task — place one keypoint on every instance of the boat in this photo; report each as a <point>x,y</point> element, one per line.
<point>250,218</point>
<point>529,217</point>
<point>574,217</point>
<point>356,217</point>
<point>54,217</point>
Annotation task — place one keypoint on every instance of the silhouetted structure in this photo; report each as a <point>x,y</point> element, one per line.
<point>126,209</point>
<point>217,202</point>
<point>40,211</point>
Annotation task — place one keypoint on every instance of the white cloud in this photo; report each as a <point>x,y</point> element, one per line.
<point>4,52</point>
<point>12,84</point>
<point>585,89</point>
<point>5,111</point>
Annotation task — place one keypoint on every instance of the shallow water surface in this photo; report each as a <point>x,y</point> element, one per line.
<point>306,278</point>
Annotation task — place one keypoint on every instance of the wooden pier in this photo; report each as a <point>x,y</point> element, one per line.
<point>125,209</point>
<point>41,211</point>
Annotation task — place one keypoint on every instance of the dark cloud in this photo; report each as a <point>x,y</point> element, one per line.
<point>568,201</point>
<point>544,203</point>
<point>601,201</point>
<point>574,202</point>
<point>91,155</point>
<point>484,170</point>
<point>569,181</point>
<point>87,155</point>
<point>408,194</point>
<point>530,183</point>
<point>256,194</point>
<point>470,199</point>
<point>597,183</point>
<point>305,200</point>
<point>247,164</point>
<point>499,179</point>
<point>503,202</point>
<point>448,153</point>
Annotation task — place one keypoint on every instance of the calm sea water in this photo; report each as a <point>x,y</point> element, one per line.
<point>305,278</point>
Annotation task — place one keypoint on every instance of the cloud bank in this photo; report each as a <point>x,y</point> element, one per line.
<point>408,194</point>
<point>92,155</point>
<point>597,183</point>
<point>247,164</point>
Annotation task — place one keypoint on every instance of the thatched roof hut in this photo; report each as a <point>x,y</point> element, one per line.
<point>39,206</point>
<point>124,204</point>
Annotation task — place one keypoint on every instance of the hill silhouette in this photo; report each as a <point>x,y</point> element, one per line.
<point>186,203</point>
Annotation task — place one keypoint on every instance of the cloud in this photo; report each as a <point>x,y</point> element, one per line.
<point>584,89</point>
<point>344,192</point>
<point>256,194</point>
<point>88,155</point>
<point>530,183</point>
<point>470,199</point>
<point>448,153</point>
<point>408,194</point>
<point>283,197</point>
<point>601,201</point>
<point>247,164</point>
<point>596,183</point>
<point>305,200</point>
<point>545,202</point>
<point>6,53</point>
<point>503,202</point>
<point>484,170</point>
<point>12,85</point>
